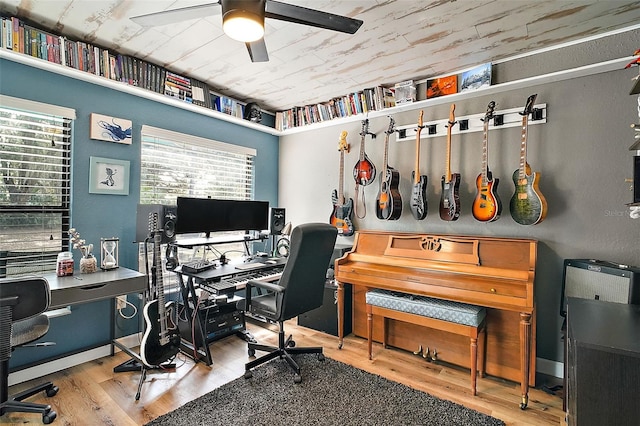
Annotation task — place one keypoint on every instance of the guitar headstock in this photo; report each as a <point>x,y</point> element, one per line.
<point>528,108</point>
<point>343,145</point>
<point>153,223</point>
<point>452,115</point>
<point>420,125</point>
<point>365,127</point>
<point>392,123</point>
<point>489,114</point>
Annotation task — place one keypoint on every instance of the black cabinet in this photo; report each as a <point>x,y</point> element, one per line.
<point>603,357</point>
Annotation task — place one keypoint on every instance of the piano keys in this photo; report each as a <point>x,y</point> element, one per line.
<point>494,272</point>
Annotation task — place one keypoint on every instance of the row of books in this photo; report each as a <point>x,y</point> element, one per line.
<point>370,99</point>
<point>20,37</point>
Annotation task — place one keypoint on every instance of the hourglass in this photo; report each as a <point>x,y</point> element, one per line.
<point>109,253</point>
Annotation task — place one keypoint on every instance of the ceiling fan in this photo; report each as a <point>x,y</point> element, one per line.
<point>243,20</point>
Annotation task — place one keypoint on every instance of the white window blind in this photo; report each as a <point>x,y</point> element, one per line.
<point>35,186</point>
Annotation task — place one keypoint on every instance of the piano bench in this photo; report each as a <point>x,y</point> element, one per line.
<point>453,317</point>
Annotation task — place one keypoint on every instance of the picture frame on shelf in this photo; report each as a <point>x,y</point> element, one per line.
<point>476,78</point>
<point>442,86</point>
<point>110,129</point>
<point>108,176</point>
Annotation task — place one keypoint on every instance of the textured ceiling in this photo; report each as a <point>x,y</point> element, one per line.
<point>399,40</point>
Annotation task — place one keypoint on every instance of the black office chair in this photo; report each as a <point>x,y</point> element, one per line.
<point>299,290</point>
<point>23,302</point>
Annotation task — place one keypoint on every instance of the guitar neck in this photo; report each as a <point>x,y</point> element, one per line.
<point>485,153</point>
<point>523,147</point>
<point>386,156</point>
<point>452,122</point>
<point>159,284</point>
<point>341,182</point>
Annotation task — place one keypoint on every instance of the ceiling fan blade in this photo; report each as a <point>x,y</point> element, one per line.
<point>315,18</point>
<point>177,15</point>
<point>258,51</point>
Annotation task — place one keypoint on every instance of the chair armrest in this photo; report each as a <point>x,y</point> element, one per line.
<point>269,286</point>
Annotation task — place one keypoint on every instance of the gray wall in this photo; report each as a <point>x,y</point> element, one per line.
<point>581,153</point>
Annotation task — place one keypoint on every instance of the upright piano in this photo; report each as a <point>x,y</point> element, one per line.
<point>493,272</point>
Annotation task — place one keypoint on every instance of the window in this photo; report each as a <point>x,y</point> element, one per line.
<point>35,186</point>
<point>175,164</point>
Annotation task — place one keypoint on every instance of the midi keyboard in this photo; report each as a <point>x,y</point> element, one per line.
<point>238,281</point>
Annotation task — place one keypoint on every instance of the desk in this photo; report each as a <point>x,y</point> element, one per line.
<point>84,288</point>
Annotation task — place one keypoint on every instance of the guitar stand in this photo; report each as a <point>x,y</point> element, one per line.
<point>136,364</point>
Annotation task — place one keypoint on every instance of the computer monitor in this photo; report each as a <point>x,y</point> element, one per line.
<point>197,215</point>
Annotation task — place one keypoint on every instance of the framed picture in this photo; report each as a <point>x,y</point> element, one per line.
<point>108,176</point>
<point>476,78</point>
<point>442,86</point>
<point>111,129</point>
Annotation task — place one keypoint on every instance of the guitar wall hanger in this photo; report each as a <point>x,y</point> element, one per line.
<point>502,119</point>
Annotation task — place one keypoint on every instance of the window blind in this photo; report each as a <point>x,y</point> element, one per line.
<point>35,167</point>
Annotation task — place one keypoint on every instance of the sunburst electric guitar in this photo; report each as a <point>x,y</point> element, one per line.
<point>161,339</point>
<point>342,209</point>
<point>528,206</point>
<point>389,201</point>
<point>487,206</point>
<point>419,189</point>
<point>450,197</point>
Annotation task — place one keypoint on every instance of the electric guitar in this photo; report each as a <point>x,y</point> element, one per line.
<point>389,201</point>
<point>487,206</point>
<point>450,198</point>
<point>528,206</point>
<point>419,189</point>
<point>364,171</point>
<point>342,210</point>
<point>161,339</point>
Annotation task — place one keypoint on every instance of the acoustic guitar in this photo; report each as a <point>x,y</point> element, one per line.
<point>528,206</point>
<point>364,172</point>
<point>419,189</point>
<point>161,339</point>
<point>389,201</point>
<point>342,210</point>
<point>450,197</point>
<point>487,205</point>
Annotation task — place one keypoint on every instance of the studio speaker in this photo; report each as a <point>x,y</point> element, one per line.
<point>167,216</point>
<point>276,220</point>
<point>599,280</point>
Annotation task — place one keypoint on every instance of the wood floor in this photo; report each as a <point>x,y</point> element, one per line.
<point>92,394</point>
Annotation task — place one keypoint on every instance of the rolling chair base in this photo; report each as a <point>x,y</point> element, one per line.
<point>15,403</point>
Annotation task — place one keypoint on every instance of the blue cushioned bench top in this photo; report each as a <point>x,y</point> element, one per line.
<point>456,312</point>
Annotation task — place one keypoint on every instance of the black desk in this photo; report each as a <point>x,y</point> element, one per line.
<point>603,348</point>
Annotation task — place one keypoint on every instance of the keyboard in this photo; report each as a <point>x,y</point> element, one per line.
<point>238,281</point>
<point>196,266</point>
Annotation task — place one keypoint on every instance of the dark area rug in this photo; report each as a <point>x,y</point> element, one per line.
<point>331,393</point>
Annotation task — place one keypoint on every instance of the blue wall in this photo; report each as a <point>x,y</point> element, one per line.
<point>96,215</point>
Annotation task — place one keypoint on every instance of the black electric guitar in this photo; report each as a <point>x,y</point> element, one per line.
<point>450,198</point>
<point>364,172</point>
<point>342,209</point>
<point>487,206</point>
<point>389,201</point>
<point>161,339</point>
<point>419,189</point>
<point>528,206</point>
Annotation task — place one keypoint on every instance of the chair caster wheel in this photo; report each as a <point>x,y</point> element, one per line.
<point>523,406</point>
<point>291,344</point>
<point>321,357</point>
<point>248,374</point>
<point>52,391</point>
<point>297,379</point>
<point>251,352</point>
<point>49,417</point>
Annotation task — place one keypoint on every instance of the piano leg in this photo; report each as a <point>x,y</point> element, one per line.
<point>525,355</point>
<point>340,308</point>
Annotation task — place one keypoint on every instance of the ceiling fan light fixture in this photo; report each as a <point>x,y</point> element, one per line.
<point>243,26</point>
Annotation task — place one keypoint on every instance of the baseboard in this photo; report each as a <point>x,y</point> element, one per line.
<point>550,368</point>
<point>50,367</point>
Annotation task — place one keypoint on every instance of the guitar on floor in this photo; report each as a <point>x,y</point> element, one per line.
<point>364,171</point>
<point>161,339</point>
<point>389,201</point>
<point>450,198</point>
<point>528,206</point>
<point>487,205</point>
<point>419,189</point>
<point>342,209</point>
